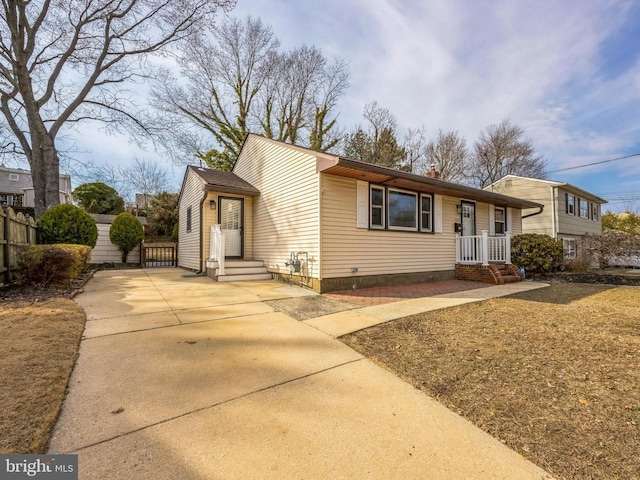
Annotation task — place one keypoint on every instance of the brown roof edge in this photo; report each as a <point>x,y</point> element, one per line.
<point>384,175</point>
<point>223,181</point>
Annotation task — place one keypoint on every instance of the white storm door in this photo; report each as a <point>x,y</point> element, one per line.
<point>231,225</point>
<point>468,219</point>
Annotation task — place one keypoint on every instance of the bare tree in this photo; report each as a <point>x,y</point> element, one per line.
<point>502,150</point>
<point>65,61</point>
<point>240,82</point>
<point>378,143</point>
<point>449,154</point>
<point>146,177</point>
<point>415,147</point>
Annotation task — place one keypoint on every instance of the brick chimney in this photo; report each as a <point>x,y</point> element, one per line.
<point>433,173</point>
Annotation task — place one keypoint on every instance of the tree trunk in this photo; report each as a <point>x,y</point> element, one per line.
<point>45,170</point>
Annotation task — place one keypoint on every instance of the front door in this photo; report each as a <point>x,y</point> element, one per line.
<point>468,219</point>
<point>230,218</point>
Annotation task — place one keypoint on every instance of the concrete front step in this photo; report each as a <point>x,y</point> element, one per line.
<point>237,263</point>
<point>242,278</point>
<point>239,270</point>
<point>243,270</point>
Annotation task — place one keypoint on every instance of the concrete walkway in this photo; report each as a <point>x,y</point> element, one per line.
<point>180,377</point>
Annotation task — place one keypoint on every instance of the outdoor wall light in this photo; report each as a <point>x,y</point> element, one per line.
<point>458,209</point>
<point>212,204</point>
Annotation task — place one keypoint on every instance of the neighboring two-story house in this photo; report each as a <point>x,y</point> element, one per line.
<point>569,213</point>
<point>16,188</point>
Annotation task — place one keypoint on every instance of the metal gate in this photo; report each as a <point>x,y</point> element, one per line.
<point>159,256</point>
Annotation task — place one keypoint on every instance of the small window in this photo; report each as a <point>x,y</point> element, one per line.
<point>569,247</point>
<point>571,204</point>
<point>500,220</point>
<point>189,219</point>
<point>377,207</point>
<point>403,209</point>
<point>584,208</point>
<point>14,177</point>
<point>426,213</point>
<point>594,212</point>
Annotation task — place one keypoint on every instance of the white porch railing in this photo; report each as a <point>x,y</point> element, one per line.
<point>483,248</point>
<point>216,249</point>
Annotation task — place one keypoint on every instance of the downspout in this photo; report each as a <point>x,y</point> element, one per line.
<point>554,232</point>
<point>534,213</point>
<point>204,198</point>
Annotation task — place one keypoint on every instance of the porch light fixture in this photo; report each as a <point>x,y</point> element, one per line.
<point>212,204</point>
<point>458,209</point>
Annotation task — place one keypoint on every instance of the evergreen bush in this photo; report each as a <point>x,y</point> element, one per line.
<point>67,224</point>
<point>126,233</point>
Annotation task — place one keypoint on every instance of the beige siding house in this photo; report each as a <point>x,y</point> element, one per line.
<point>569,213</point>
<point>334,223</point>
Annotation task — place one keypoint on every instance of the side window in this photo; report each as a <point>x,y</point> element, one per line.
<point>500,220</point>
<point>594,212</point>
<point>377,207</point>
<point>426,213</point>
<point>189,219</point>
<point>571,204</point>
<point>584,208</point>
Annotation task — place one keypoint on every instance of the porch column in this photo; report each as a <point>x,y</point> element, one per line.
<point>485,248</point>
<point>507,254</point>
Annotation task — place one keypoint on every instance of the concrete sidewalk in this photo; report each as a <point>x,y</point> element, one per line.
<point>180,377</point>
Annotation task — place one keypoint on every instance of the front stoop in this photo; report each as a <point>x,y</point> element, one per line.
<point>238,271</point>
<point>494,273</point>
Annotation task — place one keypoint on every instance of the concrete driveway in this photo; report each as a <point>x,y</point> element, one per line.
<point>180,377</point>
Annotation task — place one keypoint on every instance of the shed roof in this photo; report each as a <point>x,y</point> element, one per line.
<point>108,219</point>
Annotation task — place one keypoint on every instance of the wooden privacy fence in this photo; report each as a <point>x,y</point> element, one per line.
<point>16,231</point>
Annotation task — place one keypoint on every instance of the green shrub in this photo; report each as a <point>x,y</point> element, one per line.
<point>537,253</point>
<point>126,233</point>
<point>46,265</point>
<point>67,224</point>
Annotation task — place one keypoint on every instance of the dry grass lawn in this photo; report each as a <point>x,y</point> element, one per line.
<point>39,342</point>
<point>554,373</point>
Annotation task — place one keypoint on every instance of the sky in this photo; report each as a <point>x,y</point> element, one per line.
<point>567,72</point>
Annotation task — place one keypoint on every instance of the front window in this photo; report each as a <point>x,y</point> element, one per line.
<point>403,207</point>
<point>377,207</point>
<point>500,220</point>
<point>584,208</point>
<point>594,212</point>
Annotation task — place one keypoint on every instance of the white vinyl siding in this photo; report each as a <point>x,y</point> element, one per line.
<point>189,242</point>
<point>107,252</point>
<point>376,252</point>
<point>286,215</point>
